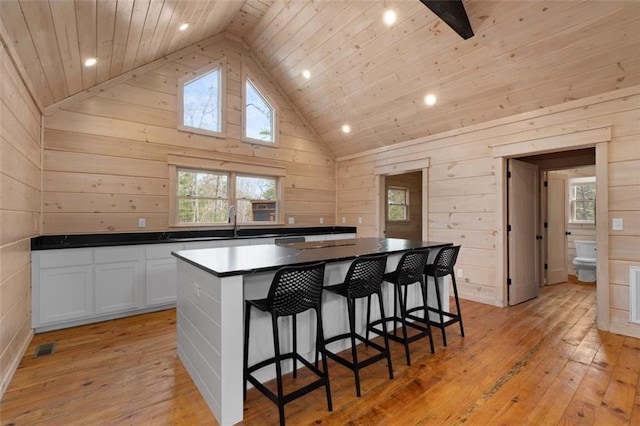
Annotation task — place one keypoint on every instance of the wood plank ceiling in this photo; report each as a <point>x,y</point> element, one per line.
<point>524,55</point>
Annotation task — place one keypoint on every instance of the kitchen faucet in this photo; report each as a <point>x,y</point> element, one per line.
<point>235,220</point>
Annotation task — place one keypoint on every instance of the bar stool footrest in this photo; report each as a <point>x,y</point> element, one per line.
<point>294,394</point>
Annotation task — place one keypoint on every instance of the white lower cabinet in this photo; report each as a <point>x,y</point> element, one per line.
<point>84,285</point>
<point>161,274</point>
<point>117,287</point>
<point>66,293</point>
<point>118,275</point>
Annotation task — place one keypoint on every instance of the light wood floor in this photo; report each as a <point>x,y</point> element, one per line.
<point>542,362</point>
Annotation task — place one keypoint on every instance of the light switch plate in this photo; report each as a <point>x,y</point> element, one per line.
<point>617,224</point>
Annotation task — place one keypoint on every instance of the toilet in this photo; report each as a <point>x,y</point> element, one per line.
<point>585,261</point>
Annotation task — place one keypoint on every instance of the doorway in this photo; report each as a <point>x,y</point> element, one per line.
<point>538,247</point>
<point>569,204</point>
<point>403,206</point>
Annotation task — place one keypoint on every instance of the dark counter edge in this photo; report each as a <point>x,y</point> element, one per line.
<point>275,268</point>
<point>52,242</point>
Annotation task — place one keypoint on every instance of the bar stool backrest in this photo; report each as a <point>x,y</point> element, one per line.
<point>445,260</point>
<point>295,289</point>
<point>365,275</point>
<point>411,266</point>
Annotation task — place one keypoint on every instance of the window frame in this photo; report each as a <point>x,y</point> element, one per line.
<point>192,76</point>
<point>249,78</point>
<point>574,182</point>
<point>232,169</point>
<point>406,203</point>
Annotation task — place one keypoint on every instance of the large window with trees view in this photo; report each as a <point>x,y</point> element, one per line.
<point>204,197</point>
<point>259,115</point>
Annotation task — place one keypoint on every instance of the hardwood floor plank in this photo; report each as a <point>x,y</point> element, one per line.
<point>540,362</point>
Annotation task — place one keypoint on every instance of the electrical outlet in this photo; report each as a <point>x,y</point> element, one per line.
<point>142,222</point>
<point>359,221</point>
<point>321,220</point>
<point>292,220</point>
<point>460,273</point>
<point>344,219</point>
<point>617,224</point>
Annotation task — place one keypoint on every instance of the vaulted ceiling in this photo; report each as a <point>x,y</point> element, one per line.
<point>525,55</point>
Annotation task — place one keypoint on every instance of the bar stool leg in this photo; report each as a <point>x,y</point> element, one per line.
<point>295,345</point>
<point>438,299</point>
<point>395,307</point>
<point>354,352</point>
<point>276,348</point>
<point>366,335</point>
<point>459,313</point>
<point>426,314</point>
<point>403,321</point>
<point>384,334</point>
<point>247,318</point>
<point>320,347</point>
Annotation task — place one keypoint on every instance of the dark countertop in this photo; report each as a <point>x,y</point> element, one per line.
<point>48,242</point>
<point>240,260</point>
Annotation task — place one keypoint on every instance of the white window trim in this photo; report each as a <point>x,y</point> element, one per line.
<point>221,64</point>
<point>577,181</point>
<point>176,162</point>
<point>406,204</point>
<point>246,75</point>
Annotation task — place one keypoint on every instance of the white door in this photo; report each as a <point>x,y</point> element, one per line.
<point>522,206</point>
<point>556,227</point>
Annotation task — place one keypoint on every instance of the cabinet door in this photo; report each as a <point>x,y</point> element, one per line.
<point>161,276</point>
<point>117,286</point>
<point>162,279</point>
<point>64,293</point>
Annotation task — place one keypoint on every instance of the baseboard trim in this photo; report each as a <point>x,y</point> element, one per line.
<point>4,384</point>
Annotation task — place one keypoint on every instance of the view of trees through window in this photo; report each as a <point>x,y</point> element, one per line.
<point>259,123</point>
<point>397,203</point>
<point>201,102</point>
<point>205,197</point>
<point>583,200</point>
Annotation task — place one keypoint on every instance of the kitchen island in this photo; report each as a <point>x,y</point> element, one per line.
<point>213,284</point>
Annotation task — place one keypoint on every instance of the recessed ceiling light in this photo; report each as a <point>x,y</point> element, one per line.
<point>184,26</point>
<point>306,74</point>
<point>90,62</point>
<point>430,99</point>
<point>346,128</point>
<point>389,17</point>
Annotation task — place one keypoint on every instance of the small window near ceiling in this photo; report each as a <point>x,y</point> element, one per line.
<point>203,196</point>
<point>201,102</point>
<point>582,199</point>
<point>259,115</point>
<point>397,203</point>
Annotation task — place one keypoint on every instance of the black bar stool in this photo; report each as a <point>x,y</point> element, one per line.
<point>294,289</point>
<point>363,279</point>
<point>441,267</point>
<point>410,270</point>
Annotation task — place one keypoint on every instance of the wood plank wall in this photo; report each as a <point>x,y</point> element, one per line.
<point>462,189</point>
<point>105,157</point>
<point>20,185</point>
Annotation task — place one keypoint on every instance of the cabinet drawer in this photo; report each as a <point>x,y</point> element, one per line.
<point>69,257</point>
<point>162,251</point>
<point>117,254</point>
